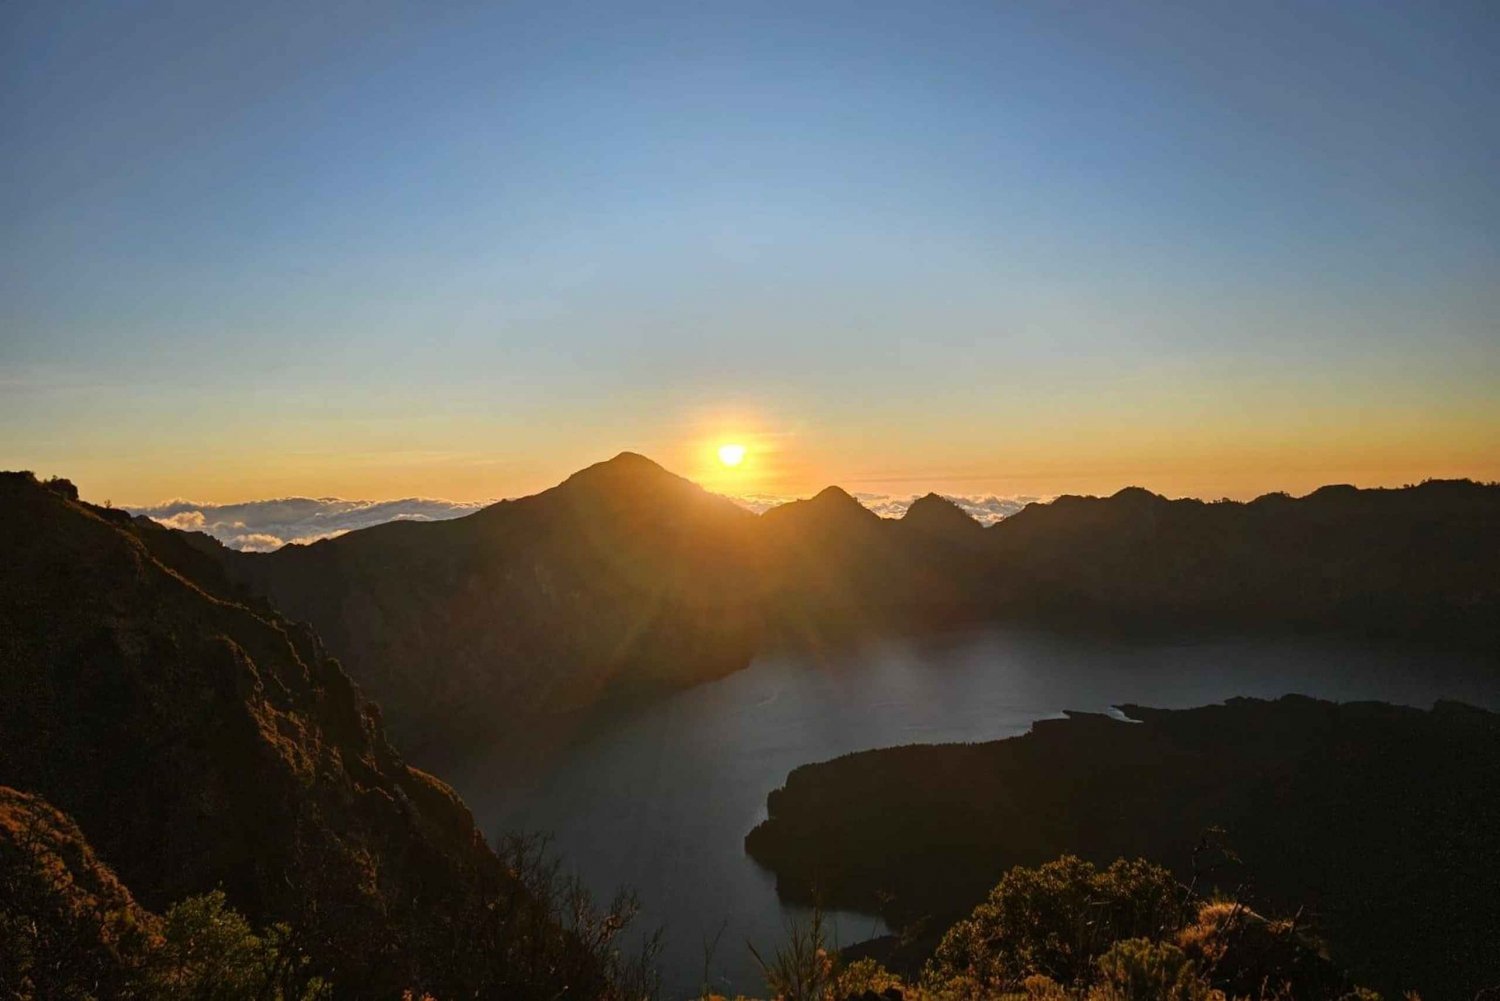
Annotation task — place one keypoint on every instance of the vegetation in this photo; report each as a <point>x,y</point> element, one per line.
<point>208,952</point>
<point>70,930</point>
<point>1057,920</point>
<point>1068,931</point>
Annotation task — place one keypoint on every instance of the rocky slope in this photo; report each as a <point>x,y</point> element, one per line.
<point>202,743</point>
<point>68,927</point>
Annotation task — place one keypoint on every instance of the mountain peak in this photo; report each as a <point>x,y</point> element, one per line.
<point>834,495</point>
<point>1138,495</point>
<point>627,467</point>
<point>931,502</point>
<point>829,506</point>
<point>934,513</point>
<point>627,462</point>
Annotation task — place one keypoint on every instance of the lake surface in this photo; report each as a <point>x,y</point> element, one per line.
<point>660,798</point>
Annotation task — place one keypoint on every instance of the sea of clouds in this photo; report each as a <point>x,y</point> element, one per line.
<point>263,525</point>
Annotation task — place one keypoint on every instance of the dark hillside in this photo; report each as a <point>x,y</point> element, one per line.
<point>1420,561</point>
<point>68,927</point>
<point>623,579</point>
<point>201,744</point>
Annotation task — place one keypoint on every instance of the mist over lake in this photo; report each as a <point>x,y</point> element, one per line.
<point>660,798</point>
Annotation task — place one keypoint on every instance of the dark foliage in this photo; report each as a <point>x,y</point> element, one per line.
<point>68,928</point>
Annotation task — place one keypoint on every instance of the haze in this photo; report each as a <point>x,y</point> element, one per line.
<point>385,250</point>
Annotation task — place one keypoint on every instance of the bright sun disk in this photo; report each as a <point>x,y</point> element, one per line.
<point>731,455</point>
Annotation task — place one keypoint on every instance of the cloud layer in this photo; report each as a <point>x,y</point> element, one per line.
<point>264,525</point>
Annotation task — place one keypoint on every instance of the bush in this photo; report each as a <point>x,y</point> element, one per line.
<point>1056,920</point>
<point>1138,969</point>
<point>806,968</point>
<point>210,953</point>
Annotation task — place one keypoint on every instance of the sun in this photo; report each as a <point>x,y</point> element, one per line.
<point>731,454</point>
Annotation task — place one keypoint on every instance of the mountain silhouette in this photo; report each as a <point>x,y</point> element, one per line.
<point>941,519</point>
<point>621,580</point>
<point>626,579</point>
<point>1419,561</point>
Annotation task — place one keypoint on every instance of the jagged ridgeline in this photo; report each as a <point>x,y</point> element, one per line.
<point>626,578</point>
<point>204,743</point>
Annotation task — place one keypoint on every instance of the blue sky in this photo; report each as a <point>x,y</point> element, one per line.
<point>385,249</point>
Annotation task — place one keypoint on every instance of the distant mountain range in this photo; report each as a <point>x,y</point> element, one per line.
<point>626,579</point>
<point>266,525</point>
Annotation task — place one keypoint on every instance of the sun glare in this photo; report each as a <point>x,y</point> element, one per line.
<point>731,454</point>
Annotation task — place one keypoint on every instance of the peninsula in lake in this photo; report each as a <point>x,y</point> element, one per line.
<point>1365,820</point>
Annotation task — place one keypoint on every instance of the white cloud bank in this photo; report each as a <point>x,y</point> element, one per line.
<point>261,526</point>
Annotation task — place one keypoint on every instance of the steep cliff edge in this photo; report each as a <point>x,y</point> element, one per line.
<point>201,743</point>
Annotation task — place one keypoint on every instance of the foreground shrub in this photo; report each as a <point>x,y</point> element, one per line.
<point>1138,969</point>
<point>1056,920</point>
<point>209,952</point>
<point>1070,931</point>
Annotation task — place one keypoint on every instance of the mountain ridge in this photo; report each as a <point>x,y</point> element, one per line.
<point>625,579</point>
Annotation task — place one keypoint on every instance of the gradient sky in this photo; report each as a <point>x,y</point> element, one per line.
<point>374,249</point>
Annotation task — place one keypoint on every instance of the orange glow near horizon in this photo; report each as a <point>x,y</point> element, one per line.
<point>844,254</point>
<point>893,451</point>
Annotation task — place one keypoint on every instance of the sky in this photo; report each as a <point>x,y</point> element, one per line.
<point>383,250</point>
